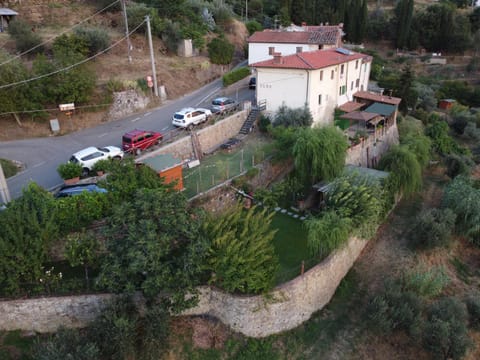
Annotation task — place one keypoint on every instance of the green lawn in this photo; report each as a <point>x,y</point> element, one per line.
<point>290,245</point>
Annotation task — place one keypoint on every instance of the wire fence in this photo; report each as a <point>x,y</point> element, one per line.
<point>222,166</point>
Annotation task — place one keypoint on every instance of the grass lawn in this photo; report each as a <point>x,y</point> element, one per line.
<point>290,245</point>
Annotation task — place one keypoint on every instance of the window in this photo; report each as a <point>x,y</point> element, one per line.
<point>321,75</point>
<point>343,89</point>
<point>342,69</point>
<point>331,77</point>
<point>356,64</point>
<point>351,86</point>
<point>320,99</point>
<point>299,49</point>
<point>357,83</point>
<point>271,50</point>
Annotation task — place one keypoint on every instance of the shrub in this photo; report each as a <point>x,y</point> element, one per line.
<point>420,145</point>
<point>25,37</point>
<point>433,228</point>
<point>445,332</point>
<point>425,283</point>
<point>242,256</point>
<point>394,309</point>
<point>288,117</point>
<point>69,170</point>
<point>253,26</point>
<point>327,233</point>
<point>8,167</point>
<point>97,39</point>
<point>220,51</point>
<point>458,165</point>
<point>405,170</point>
<point>66,344</point>
<point>235,75</point>
<point>473,307</point>
<point>263,123</point>
<point>102,165</point>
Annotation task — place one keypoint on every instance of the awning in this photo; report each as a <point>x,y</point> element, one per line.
<point>382,109</point>
<point>350,106</point>
<point>359,115</point>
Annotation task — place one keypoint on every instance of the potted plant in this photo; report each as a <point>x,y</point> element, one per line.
<point>101,166</point>
<point>70,172</point>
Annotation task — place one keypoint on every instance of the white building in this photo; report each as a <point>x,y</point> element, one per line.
<point>322,80</point>
<point>263,44</point>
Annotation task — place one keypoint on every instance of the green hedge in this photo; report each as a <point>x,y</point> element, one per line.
<point>235,75</point>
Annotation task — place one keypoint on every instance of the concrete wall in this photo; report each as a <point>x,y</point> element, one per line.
<point>126,103</point>
<point>209,138</point>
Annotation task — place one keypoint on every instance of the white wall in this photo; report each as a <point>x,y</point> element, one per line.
<point>259,51</point>
<point>278,87</point>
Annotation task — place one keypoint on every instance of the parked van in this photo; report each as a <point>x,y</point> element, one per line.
<point>136,141</point>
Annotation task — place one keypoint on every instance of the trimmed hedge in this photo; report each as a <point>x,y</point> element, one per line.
<point>235,75</point>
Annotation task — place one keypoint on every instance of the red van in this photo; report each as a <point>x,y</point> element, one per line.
<point>136,141</point>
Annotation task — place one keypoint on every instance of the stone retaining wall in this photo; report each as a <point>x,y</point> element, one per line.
<point>209,137</point>
<point>287,306</point>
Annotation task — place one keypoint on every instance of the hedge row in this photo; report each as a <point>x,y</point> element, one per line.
<point>235,75</point>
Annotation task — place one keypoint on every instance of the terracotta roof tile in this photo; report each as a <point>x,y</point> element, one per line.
<point>377,97</point>
<point>350,106</point>
<point>322,35</point>
<point>311,60</point>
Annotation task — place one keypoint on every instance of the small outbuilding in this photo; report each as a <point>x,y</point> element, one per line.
<point>446,104</point>
<point>167,167</point>
<point>6,15</point>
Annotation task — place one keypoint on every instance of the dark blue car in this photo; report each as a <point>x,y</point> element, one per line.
<point>73,190</point>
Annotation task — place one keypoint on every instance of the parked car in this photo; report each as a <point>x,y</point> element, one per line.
<point>67,191</point>
<point>90,155</point>
<point>252,84</point>
<point>224,104</point>
<point>188,117</point>
<point>136,141</point>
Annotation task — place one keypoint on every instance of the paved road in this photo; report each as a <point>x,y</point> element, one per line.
<point>42,156</point>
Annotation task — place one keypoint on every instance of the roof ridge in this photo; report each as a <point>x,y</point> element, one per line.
<point>304,60</point>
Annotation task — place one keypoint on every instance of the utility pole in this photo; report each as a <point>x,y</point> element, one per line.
<point>246,10</point>
<point>152,59</point>
<point>4,193</point>
<point>129,44</point>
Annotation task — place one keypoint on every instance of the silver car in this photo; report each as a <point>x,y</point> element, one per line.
<point>224,104</point>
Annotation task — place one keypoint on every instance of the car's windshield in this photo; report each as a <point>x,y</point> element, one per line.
<point>178,116</point>
<point>217,102</point>
<point>105,150</point>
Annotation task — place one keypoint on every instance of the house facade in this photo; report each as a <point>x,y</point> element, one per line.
<point>321,80</point>
<point>263,44</point>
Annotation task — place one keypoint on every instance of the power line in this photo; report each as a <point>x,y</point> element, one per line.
<point>54,37</point>
<point>51,109</point>
<point>6,86</point>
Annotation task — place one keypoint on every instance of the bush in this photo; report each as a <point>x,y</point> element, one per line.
<point>8,167</point>
<point>66,344</point>
<point>263,123</point>
<point>235,75</point>
<point>289,117</point>
<point>433,228</point>
<point>97,39</point>
<point>394,309</point>
<point>458,165</point>
<point>327,233</point>
<point>69,170</point>
<point>253,26</point>
<point>425,283</point>
<point>220,51</point>
<point>445,331</point>
<point>102,165</point>
<point>473,307</point>
<point>25,37</point>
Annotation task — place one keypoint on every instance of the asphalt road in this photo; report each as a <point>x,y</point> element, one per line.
<point>41,156</point>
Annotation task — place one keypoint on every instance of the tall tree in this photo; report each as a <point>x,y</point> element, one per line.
<point>403,18</point>
<point>242,256</point>
<point>154,246</point>
<point>319,153</point>
<point>406,89</point>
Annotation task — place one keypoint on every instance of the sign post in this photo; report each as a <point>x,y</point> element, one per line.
<point>68,110</point>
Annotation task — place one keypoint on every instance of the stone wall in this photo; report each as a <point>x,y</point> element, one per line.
<point>209,137</point>
<point>285,308</point>
<point>288,305</point>
<point>126,103</point>
<point>48,314</point>
<point>361,154</point>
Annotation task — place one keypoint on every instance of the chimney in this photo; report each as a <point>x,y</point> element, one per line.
<point>277,58</point>
<point>340,25</point>
<point>304,24</point>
